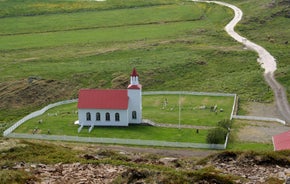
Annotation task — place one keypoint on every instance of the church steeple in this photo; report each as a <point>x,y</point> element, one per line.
<point>135,98</point>
<point>134,79</point>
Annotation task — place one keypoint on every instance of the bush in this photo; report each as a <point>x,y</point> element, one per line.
<point>226,124</point>
<point>216,135</point>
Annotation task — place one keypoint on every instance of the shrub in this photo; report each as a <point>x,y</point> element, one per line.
<point>216,135</point>
<point>226,124</point>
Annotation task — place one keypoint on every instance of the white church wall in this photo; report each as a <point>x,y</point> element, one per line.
<point>123,117</point>
<point>135,104</point>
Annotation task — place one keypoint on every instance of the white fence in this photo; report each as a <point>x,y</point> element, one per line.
<point>118,141</point>
<point>186,93</point>
<point>8,132</point>
<point>35,114</point>
<point>259,119</point>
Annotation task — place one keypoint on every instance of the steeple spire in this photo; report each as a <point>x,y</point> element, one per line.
<point>134,80</point>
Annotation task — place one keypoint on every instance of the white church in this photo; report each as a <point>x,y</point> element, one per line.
<point>111,107</point>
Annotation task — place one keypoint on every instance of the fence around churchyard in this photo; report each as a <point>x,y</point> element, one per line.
<point>35,114</point>
<point>8,132</point>
<point>118,141</point>
<point>257,118</point>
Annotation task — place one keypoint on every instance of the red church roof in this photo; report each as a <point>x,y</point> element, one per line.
<point>103,99</point>
<point>282,141</point>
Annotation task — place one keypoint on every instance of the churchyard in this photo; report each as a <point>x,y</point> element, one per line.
<point>184,118</point>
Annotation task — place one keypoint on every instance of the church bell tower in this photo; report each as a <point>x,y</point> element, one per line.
<point>135,99</point>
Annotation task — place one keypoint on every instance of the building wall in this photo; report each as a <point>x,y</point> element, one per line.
<point>123,115</point>
<point>135,104</point>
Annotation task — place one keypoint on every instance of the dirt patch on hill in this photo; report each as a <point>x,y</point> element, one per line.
<point>32,92</point>
<point>258,131</point>
<point>262,110</point>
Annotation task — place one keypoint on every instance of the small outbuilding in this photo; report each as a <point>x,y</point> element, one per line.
<point>281,141</point>
<point>111,107</point>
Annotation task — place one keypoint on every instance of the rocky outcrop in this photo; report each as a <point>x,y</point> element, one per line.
<point>251,169</point>
<point>107,166</point>
<point>75,173</point>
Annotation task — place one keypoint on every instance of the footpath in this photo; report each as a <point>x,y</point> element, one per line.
<point>266,60</point>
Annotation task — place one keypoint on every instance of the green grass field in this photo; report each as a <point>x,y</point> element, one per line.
<point>66,50</point>
<point>80,47</point>
<point>194,110</point>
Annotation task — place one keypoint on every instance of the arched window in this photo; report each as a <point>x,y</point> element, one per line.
<point>107,116</point>
<point>134,115</point>
<point>88,115</point>
<point>98,116</point>
<point>117,117</point>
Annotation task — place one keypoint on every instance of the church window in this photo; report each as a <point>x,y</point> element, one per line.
<point>88,115</point>
<point>134,115</point>
<point>98,116</point>
<point>117,117</point>
<point>107,116</point>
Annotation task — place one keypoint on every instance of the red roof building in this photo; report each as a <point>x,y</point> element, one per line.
<point>281,141</point>
<point>111,107</point>
<point>103,99</point>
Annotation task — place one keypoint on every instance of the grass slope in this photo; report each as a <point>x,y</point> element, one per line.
<point>266,22</point>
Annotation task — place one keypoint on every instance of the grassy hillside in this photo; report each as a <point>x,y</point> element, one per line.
<point>268,23</point>
<point>51,49</point>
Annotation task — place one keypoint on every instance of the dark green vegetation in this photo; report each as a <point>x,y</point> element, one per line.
<point>218,135</point>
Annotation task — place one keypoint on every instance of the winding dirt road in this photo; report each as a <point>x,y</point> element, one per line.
<point>266,60</point>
